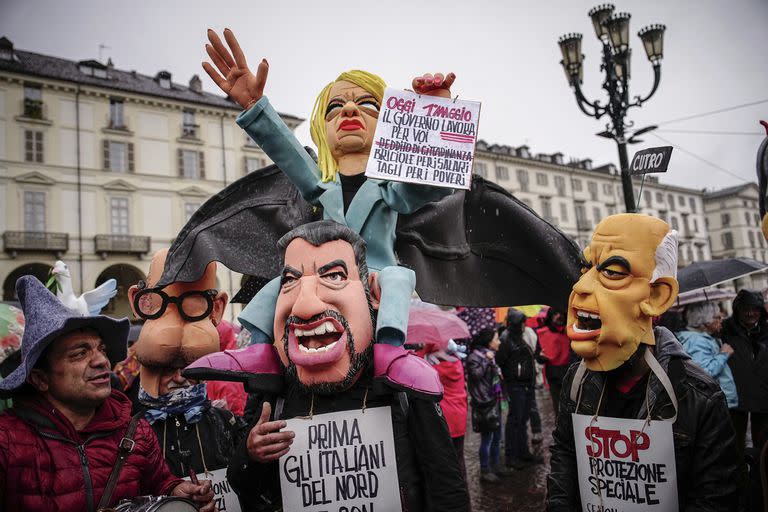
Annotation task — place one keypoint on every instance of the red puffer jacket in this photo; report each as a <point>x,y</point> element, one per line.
<point>46,465</point>
<point>454,403</point>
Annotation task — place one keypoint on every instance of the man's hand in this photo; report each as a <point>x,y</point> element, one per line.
<point>726,349</point>
<point>265,442</point>
<point>200,493</point>
<point>437,85</point>
<point>235,79</point>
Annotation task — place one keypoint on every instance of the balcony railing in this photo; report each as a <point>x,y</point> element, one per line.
<point>35,241</point>
<point>125,244</point>
<point>190,130</point>
<point>33,109</point>
<point>117,123</point>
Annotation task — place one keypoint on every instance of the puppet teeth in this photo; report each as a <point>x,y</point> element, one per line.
<point>577,330</point>
<point>311,350</point>
<point>329,327</point>
<point>303,348</point>
<point>582,314</point>
<point>298,332</point>
<point>320,329</point>
<point>594,315</point>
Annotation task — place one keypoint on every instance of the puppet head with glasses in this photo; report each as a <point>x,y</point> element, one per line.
<point>180,321</point>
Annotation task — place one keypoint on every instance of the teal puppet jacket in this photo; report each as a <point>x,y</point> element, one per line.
<point>373,211</point>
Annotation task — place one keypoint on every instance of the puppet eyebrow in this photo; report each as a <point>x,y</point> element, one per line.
<point>290,270</point>
<point>335,263</point>
<point>615,260</point>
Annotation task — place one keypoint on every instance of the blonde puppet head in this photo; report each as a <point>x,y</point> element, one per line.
<point>371,83</point>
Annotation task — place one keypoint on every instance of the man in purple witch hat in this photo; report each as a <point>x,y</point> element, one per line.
<point>59,445</point>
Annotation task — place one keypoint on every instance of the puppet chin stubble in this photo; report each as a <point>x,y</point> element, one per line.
<point>357,361</point>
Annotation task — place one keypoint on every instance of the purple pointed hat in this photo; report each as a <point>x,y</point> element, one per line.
<point>47,319</point>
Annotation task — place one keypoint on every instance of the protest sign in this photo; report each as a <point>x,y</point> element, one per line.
<point>625,465</point>
<point>223,495</point>
<point>425,140</point>
<point>341,462</point>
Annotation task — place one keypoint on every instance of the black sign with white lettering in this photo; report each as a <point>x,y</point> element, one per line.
<point>651,160</point>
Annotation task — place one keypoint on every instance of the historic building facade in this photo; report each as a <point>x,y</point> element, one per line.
<point>100,167</point>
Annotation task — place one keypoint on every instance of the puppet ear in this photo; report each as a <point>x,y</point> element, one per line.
<point>375,287</point>
<point>663,295</point>
<point>132,291</point>
<point>219,305</point>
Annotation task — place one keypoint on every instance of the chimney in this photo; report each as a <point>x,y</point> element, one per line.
<point>164,79</point>
<point>6,48</point>
<point>195,84</point>
<point>110,65</point>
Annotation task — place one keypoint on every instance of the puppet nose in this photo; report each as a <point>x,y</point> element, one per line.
<point>586,285</point>
<point>350,109</point>
<point>308,304</point>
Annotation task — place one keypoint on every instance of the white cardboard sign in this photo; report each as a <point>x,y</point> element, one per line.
<point>223,495</point>
<point>624,465</point>
<point>341,462</point>
<point>425,140</point>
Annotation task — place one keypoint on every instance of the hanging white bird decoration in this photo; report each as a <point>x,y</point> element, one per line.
<point>89,303</point>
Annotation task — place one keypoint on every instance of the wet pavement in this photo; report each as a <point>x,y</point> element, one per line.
<point>523,491</point>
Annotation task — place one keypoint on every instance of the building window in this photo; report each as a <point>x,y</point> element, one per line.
<point>522,178</point>
<point>675,223</point>
<point>700,252</point>
<point>607,189</point>
<point>581,217</point>
<point>191,164</point>
<point>33,146</point>
<point>118,213</point>
<point>546,209</point>
<point>659,197</point>
<point>695,226</point>
<point>725,219</point>
<point>502,173</point>
<point>680,200</point>
<point>692,204</point>
<point>189,210</point>
<point>747,218</point>
<point>34,211</point>
<point>118,156</point>
<point>577,185</point>
<point>33,101</point>
<point>727,239</point>
<point>592,187</point>
<point>757,219</point>
<point>671,202</point>
<point>761,239</point>
<point>647,197</point>
<point>116,117</point>
<point>480,169</point>
<point>611,210</point>
<point>560,185</point>
<point>253,163</point>
<point>189,127</point>
<point>597,214</point>
<point>751,236</point>
<point>564,212</point>
<point>663,215</point>
<point>541,179</point>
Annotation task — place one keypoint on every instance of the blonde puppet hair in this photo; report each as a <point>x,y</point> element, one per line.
<point>325,161</point>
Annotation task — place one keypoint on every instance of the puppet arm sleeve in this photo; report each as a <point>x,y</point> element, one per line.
<point>444,486</point>
<point>713,483</point>
<point>263,124</point>
<point>562,484</point>
<point>409,197</point>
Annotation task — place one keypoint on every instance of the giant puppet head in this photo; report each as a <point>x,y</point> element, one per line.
<point>180,321</point>
<point>629,277</point>
<point>344,121</point>
<point>325,312</point>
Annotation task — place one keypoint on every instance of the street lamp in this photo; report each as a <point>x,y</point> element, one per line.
<point>612,29</point>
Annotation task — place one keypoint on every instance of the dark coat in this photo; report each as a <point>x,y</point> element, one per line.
<point>515,358</point>
<point>46,465</point>
<point>749,361</point>
<point>427,465</point>
<point>705,447</point>
<point>219,432</point>
<point>482,373</point>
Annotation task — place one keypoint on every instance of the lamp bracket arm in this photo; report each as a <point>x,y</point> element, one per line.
<point>656,80</point>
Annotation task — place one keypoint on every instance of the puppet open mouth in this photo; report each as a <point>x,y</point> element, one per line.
<point>586,327</point>
<point>317,343</point>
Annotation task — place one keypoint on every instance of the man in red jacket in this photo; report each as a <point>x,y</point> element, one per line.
<point>59,444</point>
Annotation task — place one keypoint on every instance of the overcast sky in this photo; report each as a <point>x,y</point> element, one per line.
<point>504,52</point>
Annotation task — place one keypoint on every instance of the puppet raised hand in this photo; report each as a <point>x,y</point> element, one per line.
<point>237,81</point>
<point>437,85</point>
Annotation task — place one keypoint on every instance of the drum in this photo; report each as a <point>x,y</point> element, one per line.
<point>156,504</point>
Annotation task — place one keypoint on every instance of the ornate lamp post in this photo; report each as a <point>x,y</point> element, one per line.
<point>612,29</point>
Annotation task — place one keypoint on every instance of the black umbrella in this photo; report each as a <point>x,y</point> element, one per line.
<point>703,274</point>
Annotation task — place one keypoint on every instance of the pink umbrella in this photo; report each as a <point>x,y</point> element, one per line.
<point>434,327</point>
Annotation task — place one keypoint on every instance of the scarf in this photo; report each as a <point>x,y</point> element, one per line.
<point>188,401</point>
